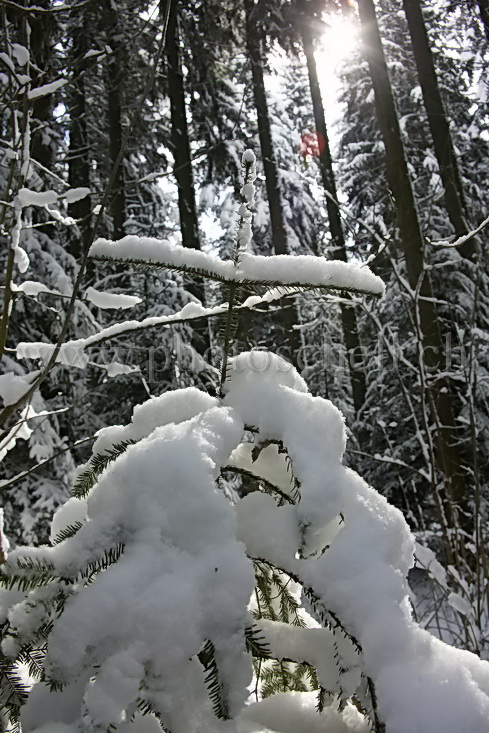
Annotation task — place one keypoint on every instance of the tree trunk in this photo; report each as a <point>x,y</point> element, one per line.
<point>41,43</point>
<point>439,127</point>
<point>447,442</point>
<point>179,135</point>
<point>115,76</point>
<point>182,167</point>
<point>272,180</point>
<point>348,314</point>
<point>79,160</point>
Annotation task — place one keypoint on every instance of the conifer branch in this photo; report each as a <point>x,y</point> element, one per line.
<point>207,657</point>
<point>256,644</point>
<point>267,486</point>
<point>98,463</point>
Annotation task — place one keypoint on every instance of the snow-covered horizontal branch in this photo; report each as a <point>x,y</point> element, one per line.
<point>71,353</point>
<point>300,270</point>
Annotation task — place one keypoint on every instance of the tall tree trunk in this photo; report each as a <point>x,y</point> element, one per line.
<point>348,314</point>
<point>41,44</point>
<point>182,167</point>
<point>272,179</point>
<point>448,449</point>
<point>79,160</point>
<point>115,76</point>
<point>439,127</point>
<point>179,134</point>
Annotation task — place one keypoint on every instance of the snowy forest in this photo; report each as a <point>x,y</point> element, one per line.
<point>245,369</point>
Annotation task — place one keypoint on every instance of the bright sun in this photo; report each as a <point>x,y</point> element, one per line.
<point>338,42</point>
<point>339,39</point>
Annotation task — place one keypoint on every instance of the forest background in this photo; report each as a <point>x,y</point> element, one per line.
<point>131,118</point>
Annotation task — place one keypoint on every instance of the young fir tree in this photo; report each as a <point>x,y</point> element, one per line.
<point>141,605</point>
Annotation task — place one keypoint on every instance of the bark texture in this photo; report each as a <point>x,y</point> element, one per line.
<point>447,441</point>
<point>438,122</point>
<point>289,317</point>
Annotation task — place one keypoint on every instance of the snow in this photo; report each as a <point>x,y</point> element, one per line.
<point>306,269</point>
<point>76,194</point>
<point>294,712</point>
<point>73,511</point>
<point>21,259</point>
<point>45,89</point>
<point>278,269</point>
<point>20,53</point>
<point>8,61</point>
<point>20,431</point>
<point>334,657</point>
<point>173,586</point>
<point>115,369</point>
<point>426,558</point>
<point>57,728</point>
<point>119,301</point>
<point>14,386</point>
<point>159,251</point>
<point>70,354</point>
<point>36,198</point>
<point>361,577</point>
<point>269,465</point>
<point>57,216</point>
<point>32,288</point>
<point>460,604</point>
<point>4,543</point>
<point>185,574</point>
<point>169,408</point>
<point>249,158</point>
<point>92,52</point>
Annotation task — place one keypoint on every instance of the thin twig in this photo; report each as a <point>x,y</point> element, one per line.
<point>20,476</point>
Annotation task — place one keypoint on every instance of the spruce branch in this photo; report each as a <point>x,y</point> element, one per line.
<point>266,485</point>
<point>67,532</point>
<point>98,463</point>
<point>207,657</point>
<point>242,240</point>
<point>13,691</point>
<point>256,644</point>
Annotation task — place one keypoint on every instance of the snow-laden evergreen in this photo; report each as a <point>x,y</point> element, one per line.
<point>171,606</point>
<point>161,588</point>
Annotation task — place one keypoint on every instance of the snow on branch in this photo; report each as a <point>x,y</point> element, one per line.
<point>464,238</point>
<point>178,576</point>
<point>71,353</point>
<point>275,270</point>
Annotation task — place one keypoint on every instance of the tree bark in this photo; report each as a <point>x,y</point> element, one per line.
<point>439,127</point>
<point>41,45</point>
<point>179,135</point>
<point>182,168</point>
<point>448,450</point>
<point>348,314</point>
<point>115,76</point>
<point>79,160</point>
<point>272,180</point>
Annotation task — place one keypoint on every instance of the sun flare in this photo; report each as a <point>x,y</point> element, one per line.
<point>339,40</point>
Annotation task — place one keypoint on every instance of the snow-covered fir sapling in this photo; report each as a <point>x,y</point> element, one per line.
<point>168,603</point>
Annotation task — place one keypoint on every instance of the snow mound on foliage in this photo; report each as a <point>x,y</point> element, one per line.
<point>184,576</point>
